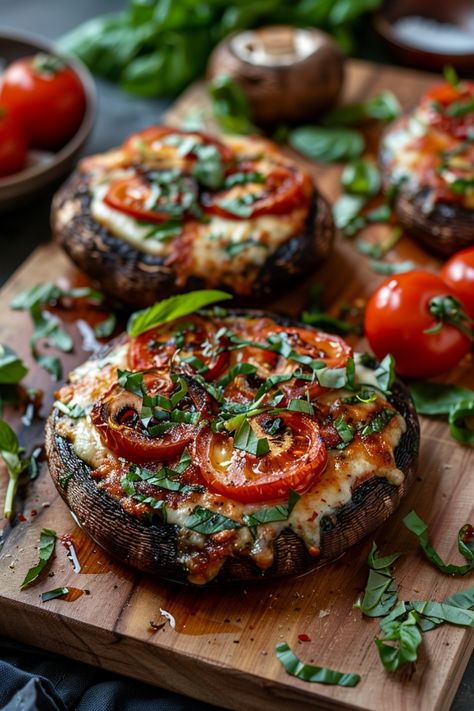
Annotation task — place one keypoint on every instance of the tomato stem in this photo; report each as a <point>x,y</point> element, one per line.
<point>447,309</point>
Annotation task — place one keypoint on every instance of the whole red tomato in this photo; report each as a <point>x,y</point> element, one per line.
<point>47,97</point>
<point>412,316</point>
<point>458,274</point>
<point>12,144</point>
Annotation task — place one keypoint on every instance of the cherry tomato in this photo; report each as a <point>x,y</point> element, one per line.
<point>437,103</point>
<point>283,190</point>
<point>48,98</point>
<point>166,144</point>
<point>397,318</point>
<point>154,201</point>
<point>12,144</point>
<point>185,340</point>
<point>458,274</point>
<point>296,459</point>
<point>117,419</point>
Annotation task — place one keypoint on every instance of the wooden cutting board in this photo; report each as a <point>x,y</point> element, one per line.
<point>222,647</point>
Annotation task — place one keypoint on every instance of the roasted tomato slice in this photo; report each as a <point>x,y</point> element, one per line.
<point>279,191</point>
<point>117,419</point>
<point>169,145</point>
<point>450,108</point>
<point>190,341</point>
<point>296,459</point>
<point>155,197</point>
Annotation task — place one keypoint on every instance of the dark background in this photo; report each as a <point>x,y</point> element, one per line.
<point>79,686</point>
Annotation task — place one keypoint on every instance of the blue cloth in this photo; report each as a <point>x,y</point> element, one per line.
<point>33,680</point>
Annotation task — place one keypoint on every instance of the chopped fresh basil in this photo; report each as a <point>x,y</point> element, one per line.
<point>49,294</point>
<point>74,411</point>
<point>166,231</point>
<point>345,432</point>
<point>239,369</point>
<point>275,427</point>
<point>281,512</point>
<point>246,440</point>
<point>105,328</point>
<point>451,76</point>
<point>337,377</point>
<point>230,106</point>
<point>460,108</point>
<point>241,206</point>
<point>460,421</point>
<point>438,398</point>
<point>385,373</point>
<point>382,107</point>
<point>11,453</point>
<point>378,423</point>
<point>51,364</point>
<point>172,308</point>
<point>208,168</point>
<point>64,479</point>
<point>380,593</point>
<point>361,177</point>
<point>462,600</point>
<point>443,612</point>
<point>46,547</point>
<point>133,382</point>
<point>243,179</point>
<point>327,145</point>
<point>234,248</point>
<point>12,368</point>
<point>207,522</point>
<point>346,212</point>
<point>53,594</point>
<point>315,315</point>
<point>307,672</point>
<point>164,478</point>
<point>407,639</point>
<point>465,545</point>
<point>389,268</point>
<point>301,406</point>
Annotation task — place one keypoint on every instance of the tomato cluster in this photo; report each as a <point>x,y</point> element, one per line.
<point>424,320</point>
<point>42,104</point>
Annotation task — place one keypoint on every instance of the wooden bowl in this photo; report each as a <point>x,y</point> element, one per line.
<point>455,12</point>
<point>43,168</point>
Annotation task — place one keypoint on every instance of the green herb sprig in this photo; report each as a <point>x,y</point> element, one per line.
<point>465,545</point>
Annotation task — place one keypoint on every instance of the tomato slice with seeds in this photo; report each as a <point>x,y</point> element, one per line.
<point>183,341</point>
<point>166,144</point>
<point>283,190</point>
<point>117,418</point>
<point>296,459</point>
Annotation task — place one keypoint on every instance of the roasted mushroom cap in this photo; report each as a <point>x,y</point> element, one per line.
<point>287,74</point>
<point>153,547</point>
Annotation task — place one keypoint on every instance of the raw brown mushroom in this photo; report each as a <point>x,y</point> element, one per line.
<point>287,74</point>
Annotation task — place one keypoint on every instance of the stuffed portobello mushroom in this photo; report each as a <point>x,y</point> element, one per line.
<point>172,210</point>
<point>231,445</point>
<point>427,157</point>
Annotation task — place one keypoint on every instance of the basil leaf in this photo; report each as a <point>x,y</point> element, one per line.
<point>465,545</point>
<point>49,293</point>
<point>337,377</point>
<point>345,432</point>
<point>444,612</point>
<point>460,108</point>
<point>391,267</point>
<point>327,145</point>
<point>239,369</point>
<point>230,106</point>
<point>307,672</point>
<point>207,522</point>
<point>12,368</point>
<point>361,177</point>
<point>105,328</point>
<point>459,421</point>
<point>166,231</point>
<point>407,638</point>
<point>243,179</point>
<point>74,411</point>
<point>385,373</point>
<point>301,406</point>
<point>437,398</point>
<point>246,440</point>
<point>451,76</point>
<point>46,549</point>
<point>380,593</point>
<point>208,168</point>
<point>383,107</point>
<point>10,452</point>
<point>378,422</point>
<point>53,594</point>
<point>463,600</point>
<point>346,211</point>
<point>172,308</point>
<point>51,364</point>
<point>280,512</point>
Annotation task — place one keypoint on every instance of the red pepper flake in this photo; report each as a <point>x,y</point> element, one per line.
<point>33,512</point>
<point>304,638</point>
<point>20,517</point>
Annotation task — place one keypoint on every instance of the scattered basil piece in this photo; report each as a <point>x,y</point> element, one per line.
<point>166,231</point>
<point>230,106</point>
<point>437,398</point>
<point>207,522</point>
<point>280,512</point>
<point>307,672</point>
<point>390,268</point>
<point>315,315</point>
<point>378,423</point>
<point>11,453</point>
<point>463,599</point>
<point>12,368</point>
<point>407,638</point>
<point>465,545</point>
<point>346,211</point>
<point>64,479</point>
<point>380,593</point>
<point>460,421</point>
<point>172,308</point>
<point>385,373</point>
<point>327,145</point>
<point>49,294</point>
<point>345,432</point>
<point>74,411</point>
<point>246,440</point>
<point>361,177</point>
<point>46,547</point>
<point>243,179</point>
<point>105,328</point>
<point>53,594</point>
<point>239,369</point>
<point>301,406</point>
<point>382,107</point>
<point>443,612</point>
<point>451,76</point>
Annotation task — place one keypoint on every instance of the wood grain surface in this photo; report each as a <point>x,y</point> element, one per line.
<point>222,648</point>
